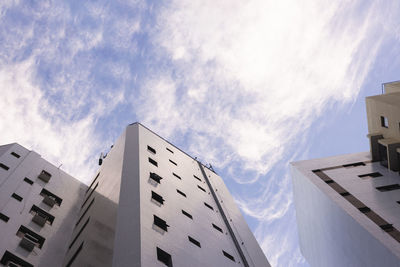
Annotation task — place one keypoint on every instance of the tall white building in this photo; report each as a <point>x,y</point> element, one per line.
<point>348,207</point>
<point>150,204</point>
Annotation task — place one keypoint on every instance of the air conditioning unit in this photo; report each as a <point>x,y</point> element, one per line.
<point>28,242</point>
<point>12,264</point>
<point>44,176</point>
<point>39,219</point>
<point>51,201</point>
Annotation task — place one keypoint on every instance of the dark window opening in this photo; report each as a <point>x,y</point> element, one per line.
<point>12,260</point>
<point>4,217</point>
<point>345,194</point>
<point>194,241</point>
<point>94,180</point>
<point>218,228</point>
<point>17,197</point>
<point>372,175</point>
<point>164,257</point>
<point>29,239</point>
<point>388,187</point>
<point>364,209</point>
<point>15,155</point>
<point>208,206</point>
<point>4,167</point>
<point>75,255</point>
<point>187,214</point>
<point>180,192</point>
<point>79,233</point>
<point>398,202</point>
<point>157,197</point>
<point>387,227</point>
<point>177,176</point>
<point>91,193</point>
<point>197,178</point>
<point>152,150</point>
<point>383,157</point>
<point>28,181</point>
<point>154,176</point>
<point>170,150</point>
<point>41,217</point>
<point>160,223</point>
<point>384,122</point>
<point>201,188</point>
<point>354,164</point>
<point>44,176</point>
<point>84,213</point>
<point>229,256</point>
<point>50,198</point>
<point>173,162</point>
<point>329,181</point>
<point>152,161</point>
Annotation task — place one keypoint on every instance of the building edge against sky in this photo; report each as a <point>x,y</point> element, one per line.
<point>150,204</point>
<point>348,206</point>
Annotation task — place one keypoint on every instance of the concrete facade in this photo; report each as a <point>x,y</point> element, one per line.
<point>200,223</point>
<point>35,205</point>
<point>348,207</point>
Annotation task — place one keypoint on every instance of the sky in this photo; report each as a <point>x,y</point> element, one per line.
<point>248,86</point>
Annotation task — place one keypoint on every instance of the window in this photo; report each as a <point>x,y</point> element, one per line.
<point>94,180</point>
<point>180,192</point>
<point>387,227</point>
<point>187,214</point>
<point>177,176</point>
<point>194,241</point>
<point>11,260</point>
<point>4,217</point>
<point>156,197</point>
<point>345,194</point>
<point>75,255</point>
<point>384,122</point>
<point>160,223</point>
<point>329,181</point>
<point>79,233</point>
<point>208,206</point>
<point>152,161</point>
<point>388,187</point>
<point>154,176</point>
<point>229,256</point>
<point>4,167</point>
<point>170,150</point>
<point>17,197</point>
<point>398,202</point>
<point>201,188</point>
<point>50,198</point>
<point>28,181</point>
<point>197,178</point>
<point>44,176</point>
<point>354,164</point>
<point>15,155</point>
<point>164,257</point>
<point>364,209</point>
<point>218,228</point>
<point>173,162</point>
<point>152,150</point>
<point>29,239</point>
<point>91,193</point>
<point>41,217</point>
<point>84,213</point>
<point>370,175</point>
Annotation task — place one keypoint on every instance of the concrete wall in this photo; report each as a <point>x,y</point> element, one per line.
<point>30,165</point>
<point>332,231</point>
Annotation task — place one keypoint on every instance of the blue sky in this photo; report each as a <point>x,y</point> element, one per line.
<point>247,86</point>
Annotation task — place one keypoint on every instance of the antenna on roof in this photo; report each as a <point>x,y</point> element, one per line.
<point>101,158</point>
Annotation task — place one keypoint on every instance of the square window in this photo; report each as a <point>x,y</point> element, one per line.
<point>152,161</point>
<point>17,197</point>
<point>15,155</point>
<point>155,177</point>
<point>194,241</point>
<point>50,198</point>
<point>160,223</point>
<point>41,217</point>
<point>384,122</point>
<point>164,257</point>
<point>152,150</point>
<point>157,197</point>
<point>4,167</point>
<point>187,214</point>
<point>29,239</point>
